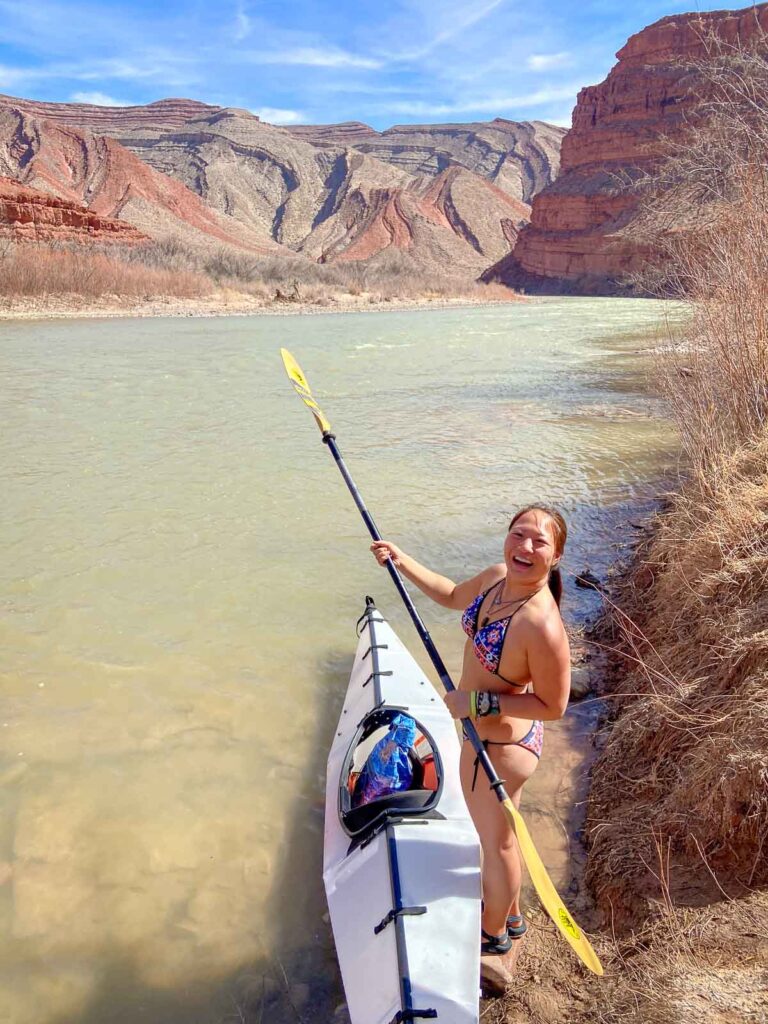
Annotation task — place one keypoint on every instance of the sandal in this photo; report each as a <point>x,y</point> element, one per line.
<point>516,926</point>
<point>495,945</point>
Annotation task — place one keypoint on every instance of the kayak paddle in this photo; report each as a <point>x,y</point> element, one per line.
<point>545,889</point>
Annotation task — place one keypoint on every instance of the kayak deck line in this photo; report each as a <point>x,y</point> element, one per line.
<point>404,902</point>
<point>407,1010</point>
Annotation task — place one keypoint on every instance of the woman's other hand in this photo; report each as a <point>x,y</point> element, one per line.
<point>457,703</point>
<point>382,550</point>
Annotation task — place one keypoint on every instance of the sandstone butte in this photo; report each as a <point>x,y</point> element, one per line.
<point>579,239</point>
<point>451,196</point>
<point>27,214</point>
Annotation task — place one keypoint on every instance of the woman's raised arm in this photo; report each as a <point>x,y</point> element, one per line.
<point>441,589</point>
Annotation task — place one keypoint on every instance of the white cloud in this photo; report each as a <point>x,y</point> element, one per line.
<point>446,21</point>
<point>97,99</point>
<point>545,61</point>
<point>484,104</point>
<point>11,78</point>
<point>311,56</point>
<point>276,115</point>
<point>242,24</point>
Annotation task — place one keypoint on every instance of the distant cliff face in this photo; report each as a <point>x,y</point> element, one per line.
<point>580,236</point>
<point>27,214</point>
<point>98,173</point>
<point>453,197</point>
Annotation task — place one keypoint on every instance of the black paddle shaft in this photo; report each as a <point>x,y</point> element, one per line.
<point>469,727</point>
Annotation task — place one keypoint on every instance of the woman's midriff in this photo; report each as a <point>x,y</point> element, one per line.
<point>501,728</point>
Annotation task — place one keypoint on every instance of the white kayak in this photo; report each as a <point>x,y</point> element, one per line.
<point>402,871</point>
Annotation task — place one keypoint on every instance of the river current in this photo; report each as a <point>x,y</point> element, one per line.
<point>181,576</point>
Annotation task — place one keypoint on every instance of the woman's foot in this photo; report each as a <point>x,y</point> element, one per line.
<point>495,945</point>
<point>516,926</point>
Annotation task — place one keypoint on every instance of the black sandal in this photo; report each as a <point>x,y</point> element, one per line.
<point>516,926</point>
<point>494,945</point>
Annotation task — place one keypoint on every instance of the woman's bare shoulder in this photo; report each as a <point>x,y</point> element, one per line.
<point>544,622</point>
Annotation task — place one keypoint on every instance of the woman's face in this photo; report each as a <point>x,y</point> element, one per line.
<point>529,548</point>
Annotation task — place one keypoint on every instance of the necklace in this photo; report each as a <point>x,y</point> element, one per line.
<point>497,604</point>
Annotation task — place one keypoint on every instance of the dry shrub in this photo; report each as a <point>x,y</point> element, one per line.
<point>679,804</point>
<point>683,779</point>
<point>42,271</point>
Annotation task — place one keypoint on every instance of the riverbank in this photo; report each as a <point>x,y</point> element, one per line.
<point>227,302</point>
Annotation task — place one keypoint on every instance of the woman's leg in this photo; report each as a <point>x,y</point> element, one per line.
<point>502,868</point>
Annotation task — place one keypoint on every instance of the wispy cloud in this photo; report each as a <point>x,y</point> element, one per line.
<point>16,78</point>
<point>277,115</point>
<point>97,99</point>
<point>444,22</point>
<point>547,61</point>
<point>314,57</point>
<point>485,104</point>
<point>242,27</point>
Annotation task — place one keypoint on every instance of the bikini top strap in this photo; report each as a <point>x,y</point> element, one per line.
<point>510,682</point>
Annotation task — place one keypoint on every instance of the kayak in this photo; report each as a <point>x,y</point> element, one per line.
<point>401,868</point>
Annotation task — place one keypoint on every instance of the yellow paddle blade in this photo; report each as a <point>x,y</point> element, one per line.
<point>547,893</point>
<point>299,382</point>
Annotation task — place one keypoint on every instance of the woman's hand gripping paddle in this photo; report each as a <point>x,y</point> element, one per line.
<point>546,891</point>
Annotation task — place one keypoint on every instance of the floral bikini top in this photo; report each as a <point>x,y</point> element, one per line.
<point>488,640</point>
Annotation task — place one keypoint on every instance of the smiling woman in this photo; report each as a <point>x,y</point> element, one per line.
<point>515,638</point>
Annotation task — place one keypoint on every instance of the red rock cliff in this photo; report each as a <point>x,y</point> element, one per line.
<point>579,239</point>
<point>29,215</point>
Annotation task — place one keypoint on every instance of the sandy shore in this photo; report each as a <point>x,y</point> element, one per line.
<point>225,304</point>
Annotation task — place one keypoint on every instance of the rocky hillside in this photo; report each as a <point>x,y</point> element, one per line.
<point>97,172</point>
<point>27,214</point>
<point>580,237</point>
<point>519,158</point>
<point>449,196</point>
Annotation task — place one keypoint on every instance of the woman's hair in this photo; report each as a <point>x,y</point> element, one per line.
<point>560,532</point>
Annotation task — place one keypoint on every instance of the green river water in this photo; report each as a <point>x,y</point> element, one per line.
<point>181,577</point>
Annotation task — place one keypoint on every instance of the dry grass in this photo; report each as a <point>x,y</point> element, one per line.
<point>38,271</point>
<point>683,780</point>
<point>168,268</point>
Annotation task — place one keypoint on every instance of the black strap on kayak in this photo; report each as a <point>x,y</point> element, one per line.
<point>377,675</point>
<point>407,1011</point>
<point>400,912</point>
<point>375,647</point>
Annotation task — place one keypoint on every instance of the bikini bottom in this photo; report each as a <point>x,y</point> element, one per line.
<point>533,741</point>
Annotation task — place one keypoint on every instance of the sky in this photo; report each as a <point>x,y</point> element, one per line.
<point>318,61</point>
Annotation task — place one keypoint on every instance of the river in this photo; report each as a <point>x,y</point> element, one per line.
<point>182,573</point>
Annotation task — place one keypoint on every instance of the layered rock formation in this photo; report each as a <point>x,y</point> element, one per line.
<point>520,158</point>
<point>99,173</point>
<point>451,196</point>
<point>580,238</point>
<point>29,215</point>
<point>167,114</point>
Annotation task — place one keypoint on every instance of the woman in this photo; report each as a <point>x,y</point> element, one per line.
<point>516,675</point>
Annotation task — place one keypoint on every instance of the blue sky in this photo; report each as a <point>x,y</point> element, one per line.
<point>316,61</point>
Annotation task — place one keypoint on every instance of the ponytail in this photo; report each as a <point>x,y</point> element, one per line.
<point>555,582</point>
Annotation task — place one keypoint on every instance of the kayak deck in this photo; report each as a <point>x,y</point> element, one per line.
<point>402,878</point>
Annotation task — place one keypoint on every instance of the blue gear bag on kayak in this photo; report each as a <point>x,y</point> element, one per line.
<point>388,768</point>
